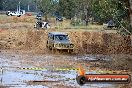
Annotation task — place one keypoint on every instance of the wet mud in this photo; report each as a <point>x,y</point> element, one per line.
<point>13,76</point>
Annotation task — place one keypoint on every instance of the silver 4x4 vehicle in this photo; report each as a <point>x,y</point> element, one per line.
<point>59,41</point>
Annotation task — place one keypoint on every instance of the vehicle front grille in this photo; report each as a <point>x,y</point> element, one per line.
<point>66,45</point>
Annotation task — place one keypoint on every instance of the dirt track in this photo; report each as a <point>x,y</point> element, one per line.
<point>23,46</point>
<point>85,42</point>
<point>13,62</point>
<point>18,33</point>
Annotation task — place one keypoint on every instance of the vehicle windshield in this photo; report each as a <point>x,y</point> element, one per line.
<point>61,37</point>
<point>59,17</point>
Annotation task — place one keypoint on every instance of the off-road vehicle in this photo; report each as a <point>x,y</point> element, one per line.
<point>59,41</point>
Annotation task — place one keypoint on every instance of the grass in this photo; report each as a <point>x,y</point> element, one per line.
<point>14,19</point>
<point>65,25</point>
<point>2,16</point>
<point>23,29</point>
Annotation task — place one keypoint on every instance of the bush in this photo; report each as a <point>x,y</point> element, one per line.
<point>77,22</point>
<point>125,28</point>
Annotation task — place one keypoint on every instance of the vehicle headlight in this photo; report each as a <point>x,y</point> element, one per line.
<point>56,45</point>
<point>60,45</point>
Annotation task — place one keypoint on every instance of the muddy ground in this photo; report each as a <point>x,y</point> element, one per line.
<point>13,76</point>
<point>22,46</point>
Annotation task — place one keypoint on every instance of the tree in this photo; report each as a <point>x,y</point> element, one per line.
<point>84,8</point>
<point>12,4</point>
<point>104,10</point>
<point>67,8</point>
<point>130,11</point>
<point>46,6</point>
<point>117,10</point>
<point>129,6</point>
<point>28,5</point>
<point>9,5</point>
<point>0,4</point>
<point>128,23</point>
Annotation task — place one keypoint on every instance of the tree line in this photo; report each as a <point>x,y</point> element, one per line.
<point>11,5</point>
<point>100,10</point>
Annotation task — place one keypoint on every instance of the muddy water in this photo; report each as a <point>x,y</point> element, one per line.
<point>12,75</point>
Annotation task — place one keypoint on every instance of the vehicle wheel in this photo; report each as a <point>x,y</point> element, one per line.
<point>47,45</point>
<point>18,15</point>
<point>7,14</point>
<point>37,26</point>
<point>69,51</point>
<point>50,47</point>
<point>81,80</point>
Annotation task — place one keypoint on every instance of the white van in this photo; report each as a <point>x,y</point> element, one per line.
<point>18,14</point>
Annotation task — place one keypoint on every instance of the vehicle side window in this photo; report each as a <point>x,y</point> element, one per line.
<point>51,37</point>
<point>48,36</point>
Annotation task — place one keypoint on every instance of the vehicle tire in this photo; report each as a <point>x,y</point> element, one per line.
<point>50,47</point>
<point>47,45</point>
<point>18,15</point>
<point>81,80</point>
<point>70,51</point>
<point>37,26</point>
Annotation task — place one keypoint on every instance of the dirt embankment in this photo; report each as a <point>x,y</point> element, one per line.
<point>105,43</point>
<point>85,41</point>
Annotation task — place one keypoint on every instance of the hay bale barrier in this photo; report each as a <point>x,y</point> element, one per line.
<point>86,42</point>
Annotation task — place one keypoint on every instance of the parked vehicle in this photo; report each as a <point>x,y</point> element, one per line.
<point>42,24</point>
<point>18,14</point>
<point>59,18</point>
<point>39,16</point>
<point>110,24</point>
<point>9,13</point>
